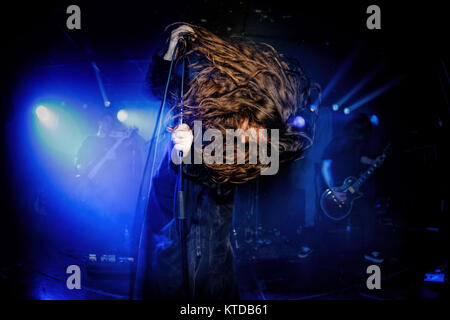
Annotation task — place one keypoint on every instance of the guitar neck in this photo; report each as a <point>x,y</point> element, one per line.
<point>93,172</point>
<point>363,177</point>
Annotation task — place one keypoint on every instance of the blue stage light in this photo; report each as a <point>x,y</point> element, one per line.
<point>346,110</point>
<point>359,85</point>
<point>46,117</point>
<point>43,113</point>
<point>343,69</point>
<point>374,120</point>
<point>143,119</point>
<point>122,115</point>
<point>299,122</point>
<point>335,107</point>
<point>59,129</point>
<point>376,93</point>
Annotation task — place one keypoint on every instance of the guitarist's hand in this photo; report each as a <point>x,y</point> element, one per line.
<point>341,196</point>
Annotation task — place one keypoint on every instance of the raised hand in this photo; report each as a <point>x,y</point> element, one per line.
<point>182,137</point>
<point>174,36</point>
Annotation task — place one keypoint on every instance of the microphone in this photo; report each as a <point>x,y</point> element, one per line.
<point>184,42</point>
<point>185,37</point>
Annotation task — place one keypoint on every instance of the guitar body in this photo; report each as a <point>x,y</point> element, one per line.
<point>335,209</point>
<point>86,185</point>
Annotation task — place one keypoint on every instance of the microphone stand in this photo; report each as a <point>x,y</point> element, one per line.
<point>181,214</point>
<point>181,197</point>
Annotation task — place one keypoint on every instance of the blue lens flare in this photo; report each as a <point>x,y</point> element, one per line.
<point>122,115</point>
<point>46,117</point>
<point>299,122</point>
<point>374,119</point>
<point>58,129</point>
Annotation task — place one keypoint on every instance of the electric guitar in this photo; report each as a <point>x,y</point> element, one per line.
<point>85,179</point>
<point>336,209</point>
<point>110,154</point>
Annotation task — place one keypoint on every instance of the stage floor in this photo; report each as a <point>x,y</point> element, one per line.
<point>335,270</point>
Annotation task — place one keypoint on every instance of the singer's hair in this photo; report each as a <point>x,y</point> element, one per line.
<point>241,80</point>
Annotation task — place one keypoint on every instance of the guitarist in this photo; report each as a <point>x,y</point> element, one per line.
<point>109,167</point>
<point>348,155</point>
<point>94,147</point>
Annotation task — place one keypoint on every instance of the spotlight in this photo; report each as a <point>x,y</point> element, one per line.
<point>122,115</point>
<point>59,128</point>
<point>107,103</point>
<point>335,107</point>
<point>299,122</point>
<point>45,116</point>
<point>313,107</point>
<point>346,110</point>
<point>374,120</point>
<point>43,113</point>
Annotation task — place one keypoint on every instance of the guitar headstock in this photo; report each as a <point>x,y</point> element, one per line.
<point>387,149</point>
<point>380,159</point>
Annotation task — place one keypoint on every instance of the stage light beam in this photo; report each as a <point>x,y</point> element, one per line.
<point>360,85</point>
<point>46,116</point>
<point>299,122</point>
<point>43,113</point>
<point>58,130</point>
<point>376,93</point>
<point>343,69</point>
<point>122,115</point>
